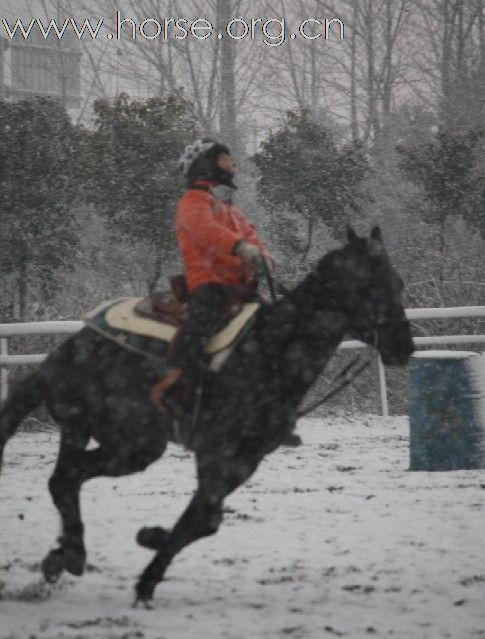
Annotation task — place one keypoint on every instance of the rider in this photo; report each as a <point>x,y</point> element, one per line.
<point>220,249</point>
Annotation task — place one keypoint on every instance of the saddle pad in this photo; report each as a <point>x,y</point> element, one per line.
<point>121,316</point>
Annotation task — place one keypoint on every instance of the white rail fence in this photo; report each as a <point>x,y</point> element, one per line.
<point>8,361</point>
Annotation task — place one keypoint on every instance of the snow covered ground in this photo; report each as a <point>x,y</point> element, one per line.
<point>333,539</point>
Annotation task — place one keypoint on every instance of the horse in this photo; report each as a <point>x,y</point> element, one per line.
<point>96,389</point>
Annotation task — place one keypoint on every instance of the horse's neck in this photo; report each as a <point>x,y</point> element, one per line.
<point>319,318</point>
<point>307,328</point>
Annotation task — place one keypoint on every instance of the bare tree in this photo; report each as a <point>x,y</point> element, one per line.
<point>454,62</point>
<point>354,81</point>
<point>222,76</point>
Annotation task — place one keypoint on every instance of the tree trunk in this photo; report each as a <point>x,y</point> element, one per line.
<point>481,64</point>
<point>354,123</point>
<point>227,71</point>
<point>373,119</point>
<point>306,215</point>
<point>446,66</point>
<point>157,272</point>
<point>388,79</point>
<point>442,243</point>
<point>22,279</point>
<point>460,88</point>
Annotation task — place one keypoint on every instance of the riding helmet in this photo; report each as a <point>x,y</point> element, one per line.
<point>198,161</point>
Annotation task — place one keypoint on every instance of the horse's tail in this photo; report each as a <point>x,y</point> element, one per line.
<point>24,397</point>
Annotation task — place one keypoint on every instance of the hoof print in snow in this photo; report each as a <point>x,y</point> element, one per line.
<point>357,588</point>
<point>93,568</point>
<point>32,593</point>
<point>469,581</point>
<point>334,489</point>
<point>296,630</point>
<point>334,632</point>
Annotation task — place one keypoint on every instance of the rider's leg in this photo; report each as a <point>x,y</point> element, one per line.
<point>205,307</point>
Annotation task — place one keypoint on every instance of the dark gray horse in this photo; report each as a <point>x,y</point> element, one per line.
<point>94,388</point>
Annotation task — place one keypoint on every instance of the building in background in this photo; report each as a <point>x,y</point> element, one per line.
<point>3,47</point>
<point>37,66</point>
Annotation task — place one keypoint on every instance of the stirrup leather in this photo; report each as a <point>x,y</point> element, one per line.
<point>159,389</point>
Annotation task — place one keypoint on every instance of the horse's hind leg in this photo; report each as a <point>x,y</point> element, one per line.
<point>64,486</point>
<point>74,467</point>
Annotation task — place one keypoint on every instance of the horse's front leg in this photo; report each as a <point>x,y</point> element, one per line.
<point>202,518</point>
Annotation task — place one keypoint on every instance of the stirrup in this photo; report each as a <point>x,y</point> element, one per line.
<point>159,389</point>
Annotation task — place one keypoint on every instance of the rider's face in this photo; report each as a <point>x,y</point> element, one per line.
<point>225,163</point>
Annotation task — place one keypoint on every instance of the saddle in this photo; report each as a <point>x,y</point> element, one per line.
<point>172,307</point>
<point>148,325</point>
<point>169,307</point>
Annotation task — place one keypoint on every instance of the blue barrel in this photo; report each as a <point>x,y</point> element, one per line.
<point>447,410</point>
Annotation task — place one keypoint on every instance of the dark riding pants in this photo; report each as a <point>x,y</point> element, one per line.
<point>205,305</point>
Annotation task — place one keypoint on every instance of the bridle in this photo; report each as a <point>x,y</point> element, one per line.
<point>371,337</point>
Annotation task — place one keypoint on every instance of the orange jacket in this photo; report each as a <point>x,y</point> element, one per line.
<point>207,230</point>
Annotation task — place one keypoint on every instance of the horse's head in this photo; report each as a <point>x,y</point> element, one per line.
<point>372,291</point>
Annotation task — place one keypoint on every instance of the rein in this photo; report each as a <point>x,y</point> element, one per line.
<point>346,377</point>
<point>342,379</point>
<point>273,284</point>
<point>270,281</point>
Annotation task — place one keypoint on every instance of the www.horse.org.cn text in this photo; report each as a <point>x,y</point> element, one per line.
<point>272,32</point>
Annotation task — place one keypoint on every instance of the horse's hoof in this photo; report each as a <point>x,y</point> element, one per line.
<point>59,559</point>
<point>152,538</point>
<point>292,440</point>
<point>74,561</point>
<point>53,565</point>
<point>146,604</point>
<point>144,592</point>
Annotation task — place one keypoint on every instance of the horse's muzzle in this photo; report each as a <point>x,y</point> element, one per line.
<point>395,343</point>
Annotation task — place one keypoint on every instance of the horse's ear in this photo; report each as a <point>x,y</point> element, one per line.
<point>351,234</point>
<point>376,234</point>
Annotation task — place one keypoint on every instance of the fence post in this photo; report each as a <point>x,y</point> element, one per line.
<point>3,370</point>
<point>382,387</point>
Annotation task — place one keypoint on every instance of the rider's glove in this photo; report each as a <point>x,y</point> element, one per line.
<point>252,256</point>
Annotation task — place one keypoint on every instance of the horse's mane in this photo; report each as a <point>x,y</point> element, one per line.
<point>325,274</point>
<point>325,278</point>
